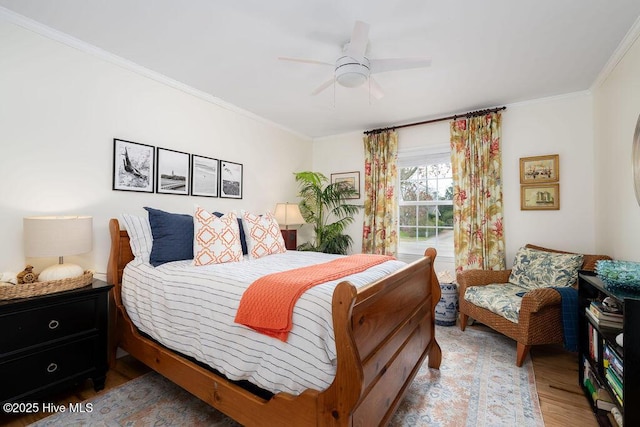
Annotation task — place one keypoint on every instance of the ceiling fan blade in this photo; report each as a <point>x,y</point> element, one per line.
<point>305,61</point>
<point>359,40</point>
<point>323,86</point>
<point>393,64</point>
<point>374,88</point>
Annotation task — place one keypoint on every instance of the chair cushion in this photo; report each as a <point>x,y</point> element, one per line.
<point>503,299</point>
<point>533,268</point>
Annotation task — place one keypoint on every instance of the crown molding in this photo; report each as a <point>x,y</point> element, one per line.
<point>59,36</point>
<point>547,99</point>
<point>626,43</point>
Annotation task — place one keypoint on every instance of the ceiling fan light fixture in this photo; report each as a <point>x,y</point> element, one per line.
<point>354,69</point>
<point>351,72</point>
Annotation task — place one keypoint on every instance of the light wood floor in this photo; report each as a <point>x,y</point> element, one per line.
<point>561,399</point>
<point>556,371</point>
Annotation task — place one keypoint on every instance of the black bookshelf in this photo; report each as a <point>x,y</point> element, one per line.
<point>592,288</point>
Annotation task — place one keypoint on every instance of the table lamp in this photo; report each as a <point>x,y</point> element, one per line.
<point>47,236</point>
<point>289,214</point>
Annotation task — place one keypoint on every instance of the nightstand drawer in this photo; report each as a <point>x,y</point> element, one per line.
<point>44,368</point>
<point>25,328</point>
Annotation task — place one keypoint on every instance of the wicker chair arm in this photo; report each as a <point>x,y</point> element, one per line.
<point>535,300</point>
<point>590,261</point>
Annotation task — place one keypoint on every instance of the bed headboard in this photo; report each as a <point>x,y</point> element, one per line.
<point>120,253</point>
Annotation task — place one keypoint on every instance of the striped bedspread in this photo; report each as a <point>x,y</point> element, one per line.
<point>267,305</point>
<point>192,309</point>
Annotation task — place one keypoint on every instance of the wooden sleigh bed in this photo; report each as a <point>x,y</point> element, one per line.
<point>383,334</point>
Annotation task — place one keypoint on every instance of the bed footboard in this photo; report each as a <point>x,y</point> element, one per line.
<point>383,334</point>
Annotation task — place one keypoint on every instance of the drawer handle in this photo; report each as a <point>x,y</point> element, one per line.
<point>52,367</point>
<point>54,324</point>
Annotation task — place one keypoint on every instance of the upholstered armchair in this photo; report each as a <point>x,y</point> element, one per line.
<point>539,320</point>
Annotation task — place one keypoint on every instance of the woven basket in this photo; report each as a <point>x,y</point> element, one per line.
<point>27,290</point>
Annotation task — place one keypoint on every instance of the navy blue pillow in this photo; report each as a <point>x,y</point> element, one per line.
<point>243,237</point>
<point>172,236</point>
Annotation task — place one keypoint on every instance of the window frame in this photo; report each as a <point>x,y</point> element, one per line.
<point>424,156</point>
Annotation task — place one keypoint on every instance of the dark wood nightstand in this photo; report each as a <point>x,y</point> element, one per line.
<point>51,342</point>
<point>290,239</point>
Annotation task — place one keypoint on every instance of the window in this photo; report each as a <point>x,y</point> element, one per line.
<point>425,217</point>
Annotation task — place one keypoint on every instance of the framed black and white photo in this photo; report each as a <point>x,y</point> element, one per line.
<point>172,172</point>
<point>133,165</point>
<point>204,176</point>
<point>230,180</point>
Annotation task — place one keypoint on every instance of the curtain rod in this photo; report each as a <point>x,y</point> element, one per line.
<point>441,119</point>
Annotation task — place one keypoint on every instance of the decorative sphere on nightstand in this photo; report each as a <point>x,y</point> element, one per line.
<point>60,271</point>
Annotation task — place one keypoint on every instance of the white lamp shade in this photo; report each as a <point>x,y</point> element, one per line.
<point>288,214</point>
<point>48,236</point>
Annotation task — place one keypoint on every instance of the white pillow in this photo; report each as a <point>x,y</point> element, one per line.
<point>262,234</point>
<point>140,237</point>
<point>215,239</point>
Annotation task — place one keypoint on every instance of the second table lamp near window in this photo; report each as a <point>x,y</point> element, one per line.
<point>51,236</point>
<point>288,214</point>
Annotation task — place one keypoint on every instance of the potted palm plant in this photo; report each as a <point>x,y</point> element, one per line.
<point>325,206</point>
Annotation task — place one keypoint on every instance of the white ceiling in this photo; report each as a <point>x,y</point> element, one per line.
<point>484,53</point>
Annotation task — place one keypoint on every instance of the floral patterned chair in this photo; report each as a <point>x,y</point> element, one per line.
<point>520,303</point>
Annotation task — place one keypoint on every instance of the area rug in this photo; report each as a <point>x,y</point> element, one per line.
<point>478,384</point>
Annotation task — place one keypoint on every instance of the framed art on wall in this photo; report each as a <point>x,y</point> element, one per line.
<point>230,180</point>
<point>204,176</point>
<point>133,165</point>
<point>349,179</point>
<point>172,172</point>
<point>540,169</point>
<point>540,197</point>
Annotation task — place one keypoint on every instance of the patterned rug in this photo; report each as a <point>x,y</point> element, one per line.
<point>478,384</point>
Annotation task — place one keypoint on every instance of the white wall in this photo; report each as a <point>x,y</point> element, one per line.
<point>336,154</point>
<point>61,109</point>
<point>563,126</point>
<point>616,110</point>
<point>560,125</point>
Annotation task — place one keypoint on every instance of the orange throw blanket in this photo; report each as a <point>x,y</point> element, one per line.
<point>267,304</point>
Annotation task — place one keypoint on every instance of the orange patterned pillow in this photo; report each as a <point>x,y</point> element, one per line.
<point>215,239</point>
<point>263,235</point>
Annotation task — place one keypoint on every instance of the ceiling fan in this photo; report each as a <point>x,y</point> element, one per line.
<point>354,69</point>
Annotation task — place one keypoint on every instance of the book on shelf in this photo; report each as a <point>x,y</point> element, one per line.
<point>594,340</point>
<point>612,419</point>
<point>593,343</point>
<point>615,385</point>
<point>611,359</point>
<point>617,417</point>
<point>615,377</point>
<point>599,311</point>
<point>603,399</point>
<point>605,405</point>
<point>600,396</point>
<point>603,323</point>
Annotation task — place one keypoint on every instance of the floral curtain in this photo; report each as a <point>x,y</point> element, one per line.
<point>477,198</point>
<point>380,229</point>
